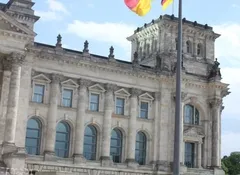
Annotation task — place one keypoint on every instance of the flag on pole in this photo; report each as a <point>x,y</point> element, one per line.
<point>166,3</point>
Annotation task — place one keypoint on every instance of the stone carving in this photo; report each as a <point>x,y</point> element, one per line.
<point>85,48</point>
<point>215,103</point>
<point>15,58</point>
<point>215,71</point>
<point>56,78</point>
<point>183,96</point>
<point>111,52</point>
<point>110,87</point>
<point>59,41</point>
<point>84,83</point>
<point>135,92</point>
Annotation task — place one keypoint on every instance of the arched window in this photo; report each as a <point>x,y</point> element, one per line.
<point>189,47</point>
<point>90,142</point>
<point>33,136</point>
<point>140,150</point>
<point>62,140</point>
<point>199,49</point>
<point>191,115</point>
<point>116,146</point>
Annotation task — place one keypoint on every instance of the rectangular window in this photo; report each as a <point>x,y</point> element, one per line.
<point>38,94</point>
<point>67,97</point>
<point>94,102</point>
<point>189,155</point>
<point>120,106</point>
<point>144,110</point>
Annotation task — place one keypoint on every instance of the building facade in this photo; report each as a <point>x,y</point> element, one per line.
<point>72,112</point>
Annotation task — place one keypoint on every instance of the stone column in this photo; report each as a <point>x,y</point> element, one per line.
<point>52,116</point>
<point>132,127</point>
<point>81,108</point>
<point>107,124</point>
<point>15,60</point>
<point>199,160</point>
<point>156,125</point>
<point>215,105</point>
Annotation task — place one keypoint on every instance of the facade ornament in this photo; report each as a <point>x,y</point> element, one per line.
<point>85,48</point>
<point>215,71</point>
<point>135,59</point>
<point>59,41</point>
<point>183,95</point>
<point>84,83</point>
<point>111,52</point>
<point>110,87</point>
<point>13,58</point>
<point>215,103</point>
<point>135,92</point>
<point>56,78</point>
<point>158,96</point>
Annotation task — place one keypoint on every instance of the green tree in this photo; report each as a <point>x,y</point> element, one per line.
<point>231,164</point>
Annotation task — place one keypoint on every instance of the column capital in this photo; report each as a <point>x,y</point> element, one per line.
<point>56,78</point>
<point>183,95</point>
<point>110,87</point>
<point>215,103</point>
<point>15,58</point>
<point>157,96</point>
<point>84,83</point>
<point>135,92</point>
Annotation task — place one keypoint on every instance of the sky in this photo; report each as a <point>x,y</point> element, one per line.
<point>108,22</point>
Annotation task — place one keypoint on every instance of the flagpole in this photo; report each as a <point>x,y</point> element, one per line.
<point>177,141</point>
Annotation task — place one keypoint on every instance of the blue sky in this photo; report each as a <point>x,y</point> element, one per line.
<point>109,22</point>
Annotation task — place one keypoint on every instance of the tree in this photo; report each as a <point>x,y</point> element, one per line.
<point>231,164</point>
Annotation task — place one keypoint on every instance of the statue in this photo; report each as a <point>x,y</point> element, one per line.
<point>215,70</point>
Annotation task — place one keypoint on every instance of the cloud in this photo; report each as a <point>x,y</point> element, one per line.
<point>56,11</point>
<point>230,143</point>
<point>113,33</point>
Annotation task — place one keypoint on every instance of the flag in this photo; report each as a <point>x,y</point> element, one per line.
<point>166,3</point>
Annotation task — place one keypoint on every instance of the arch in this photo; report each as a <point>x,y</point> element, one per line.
<point>90,142</point>
<point>33,136</point>
<point>39,117</point>
<point>62,143</point>
<point>191,114</point>
<point>116,145</point>
<point>141,148</point>
<point>199,49</point>
<point>124,133</point>
<point>146,132</point>
<point>189,46</point>
<point>68,121</point>
<point>95,124</point>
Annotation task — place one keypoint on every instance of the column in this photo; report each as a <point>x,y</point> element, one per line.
<point>15,60</point>
<point>81,108</point>
<point>52,115</point>
<point>132,126</point>
<point>107,123</point>
<point>199,160</point>
<point>215,110</point>
<point>156,125</point>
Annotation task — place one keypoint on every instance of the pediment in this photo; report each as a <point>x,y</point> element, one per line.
<point>69,83</point>
<point>96,88</point>
<point>146,96</point>
<point>122,92</point>
<point>193,132</point>
<point>41,78</point>
<point>9,24</point>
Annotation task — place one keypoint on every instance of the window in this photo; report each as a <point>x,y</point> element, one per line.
<point>144,110</point>
<point>116,146</point>
<point>67,97</point>
<point>94,102</point>
<point>38,93</point>
<point>90,143</point>
<point>62,140</point>
<point>33,136</point>
<point>120,106</point>
<point>189,47</point>
<point>189,155</point>
<point>191,115</point>
<point>140,150</point>
<point>199,49</point>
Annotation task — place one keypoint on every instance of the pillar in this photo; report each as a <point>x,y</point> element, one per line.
<point>81,108</point>
<point>52,115</point>
<point>13,97</point>
<point>199,160</point>
<point>215,105</point>
<point>182,149</point>
<point>107,124</point>
<point>132,127</point>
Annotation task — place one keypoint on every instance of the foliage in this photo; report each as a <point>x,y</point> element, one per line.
<point>231,164</point>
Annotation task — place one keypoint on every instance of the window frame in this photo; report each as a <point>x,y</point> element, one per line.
<point>44,90</point>
<point>71,102</point>
<point>145,145</point>
<point>98,103</point>
<point>200,47</point>
<point>189,47</point>
<point>96,142</point>
<point>124,104</point>
<point>140,109</point>
<point>193,155</point>
<point>193,115</point>
<point>120,147</point>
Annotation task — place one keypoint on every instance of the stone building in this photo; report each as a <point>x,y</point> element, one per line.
<point>68,111</point>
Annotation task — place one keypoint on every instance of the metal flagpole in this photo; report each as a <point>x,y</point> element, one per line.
<point>177,141</point>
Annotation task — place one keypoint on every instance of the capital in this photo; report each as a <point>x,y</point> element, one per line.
<point>183,95</point>
<point>15,58</point>
<point>84,83</point>
<point>56,78</point>
<point>110,87</point>
<point>215,103</point>
<point>135,92</point>
<point>158,95</point>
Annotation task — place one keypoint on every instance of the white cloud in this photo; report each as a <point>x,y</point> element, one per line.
<point>230,142</point>
<point>113,33</point>
<point>56,10</point>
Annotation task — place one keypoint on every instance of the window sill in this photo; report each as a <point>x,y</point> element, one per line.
<point>67,108</point>
<point>192,125</point>
<point>120,116</point>
<point>145,119</point>
<point>94,112</point>
<point>36,104</point>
